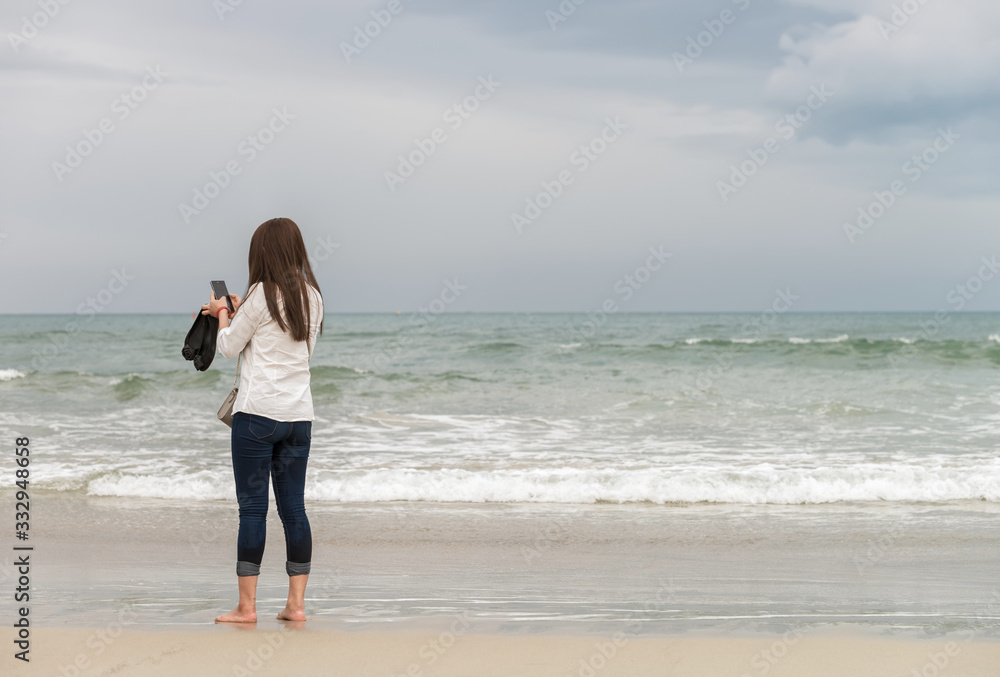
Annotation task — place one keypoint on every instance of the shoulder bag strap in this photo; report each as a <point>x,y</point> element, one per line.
<point>236,381</point>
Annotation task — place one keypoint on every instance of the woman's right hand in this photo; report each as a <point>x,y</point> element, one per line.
<point>235,298</point>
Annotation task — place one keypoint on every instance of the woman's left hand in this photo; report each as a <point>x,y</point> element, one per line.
<point>213,306</point>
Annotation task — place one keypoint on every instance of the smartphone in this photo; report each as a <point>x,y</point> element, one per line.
<point>219,287</point>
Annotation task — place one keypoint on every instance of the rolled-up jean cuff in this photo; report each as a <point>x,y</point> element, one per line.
<point>247,569</point>
<point>297,568</point>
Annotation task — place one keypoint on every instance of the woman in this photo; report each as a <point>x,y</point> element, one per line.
<point>274,329</point>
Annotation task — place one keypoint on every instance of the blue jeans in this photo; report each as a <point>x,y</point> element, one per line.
<point>264,447</point>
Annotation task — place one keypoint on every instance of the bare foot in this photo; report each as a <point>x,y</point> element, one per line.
<point>238,615</point>
<point>287,614</point>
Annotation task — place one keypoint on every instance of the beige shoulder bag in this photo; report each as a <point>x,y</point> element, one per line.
<point>226,410</point>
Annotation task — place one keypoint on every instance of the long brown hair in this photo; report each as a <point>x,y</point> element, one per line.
<point>278,261</point>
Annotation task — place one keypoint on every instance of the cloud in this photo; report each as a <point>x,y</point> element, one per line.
<point>656,186</point>
<point>635,27</point>
<point>895,73</point>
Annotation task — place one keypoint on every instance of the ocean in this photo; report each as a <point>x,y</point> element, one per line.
<point>700,437</point>
<point>650,408</point>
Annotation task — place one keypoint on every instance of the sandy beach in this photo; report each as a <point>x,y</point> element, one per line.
<point>268,650</point>
<point>127,587</point>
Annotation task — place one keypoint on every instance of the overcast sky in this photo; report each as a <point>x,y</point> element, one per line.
<point>665,97</point>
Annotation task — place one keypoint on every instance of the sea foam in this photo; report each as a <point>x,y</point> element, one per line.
<point>763,483</point>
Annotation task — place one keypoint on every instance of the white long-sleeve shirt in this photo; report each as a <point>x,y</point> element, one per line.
<point>274,374</point>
